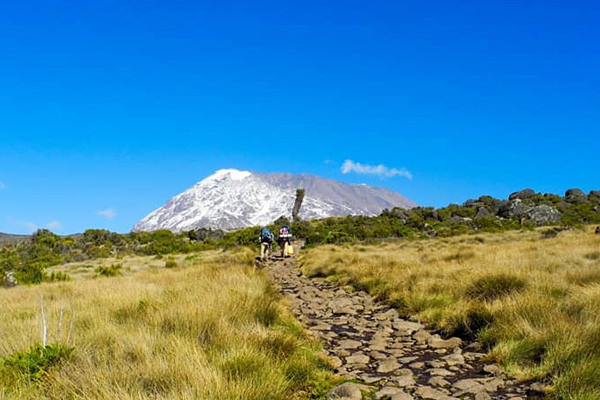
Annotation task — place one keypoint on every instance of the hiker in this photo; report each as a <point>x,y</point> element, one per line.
<point>284,240</point>
<point>266,243</point>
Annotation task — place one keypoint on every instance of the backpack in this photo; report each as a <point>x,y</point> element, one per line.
<point>266,235</point>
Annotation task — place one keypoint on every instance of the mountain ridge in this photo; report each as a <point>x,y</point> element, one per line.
<point>231,199</point>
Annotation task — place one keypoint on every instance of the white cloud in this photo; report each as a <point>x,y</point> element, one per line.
<point>379,170</point>
<point>2,185</point>
<point>54,225</point>
<point>30,226</point>
<point>108,213</point>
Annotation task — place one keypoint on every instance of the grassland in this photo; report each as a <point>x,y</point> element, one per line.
<point>210,328</point>
<point>533,303</point>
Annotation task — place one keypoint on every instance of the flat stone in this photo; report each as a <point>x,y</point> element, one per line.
<point>440,372</point>
<point>417,365</point>
<point>436,364</point>
<point>358,359</point>
<point>404,381</point>
<point>345,391</point>
<point>336,362</point>
<point>388,365</point>
<point>469,386</point>
<point>493,370</point>
<point>392,393</point>
<point>406,360</point>
<point>482,396</point>
<point>438,381</point>
<point>349,344</point>
<point>422,336</point>
<point>493,385</point>
<point>406,327</point>
<point>445,344</point>
<point>430,393</point>
<point>454,359</point>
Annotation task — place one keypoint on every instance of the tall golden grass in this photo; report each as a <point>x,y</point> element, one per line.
<point>534,303</point>
<point>214,329</point>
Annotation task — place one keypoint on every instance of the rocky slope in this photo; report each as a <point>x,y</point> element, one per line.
<point>231,199</point>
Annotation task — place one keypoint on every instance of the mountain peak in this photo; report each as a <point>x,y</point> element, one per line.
<point>234,174</point>
<point>231,199</point>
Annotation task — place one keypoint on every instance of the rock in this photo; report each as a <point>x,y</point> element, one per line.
<point>349,344</point>
<point>422,336</point>
<point>388,392</point>
<point>438,381</point>
<point>536,389</point>
<point>430,393</point>
<point>575,196</point>
<point>404,381</point>
<point>474,346</point>
<point>454,359</point>
<point>493,370</point>
<point>513,208</point>
<point>9,280</point>
<point>469,386</point>
<point>493,384</point>
<point>440,372</point>
<point>358,359</point>
<point>483,213</point>
<point>522,194</point>
<point>543,214</point>
<point>407,327</point>
<point>345,391</point>
<point>445,344</point>
<point>482,396</point>
<point>335,362</point>
<point>388,366</point>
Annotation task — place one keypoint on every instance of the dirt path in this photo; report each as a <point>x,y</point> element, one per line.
<point>397,358</point>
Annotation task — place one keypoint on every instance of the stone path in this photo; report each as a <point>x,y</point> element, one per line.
<point>396,359</point>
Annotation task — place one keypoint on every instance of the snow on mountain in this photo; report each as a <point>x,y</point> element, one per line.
<point>231,199</point>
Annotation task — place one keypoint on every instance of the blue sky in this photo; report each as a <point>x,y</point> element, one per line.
<point>109,108</point>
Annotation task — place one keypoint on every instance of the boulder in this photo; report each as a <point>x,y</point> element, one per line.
<point>522,194</point>
<point>483,213</point>
<point>345,391</point>
<point>575,196</point>
<point>9,280</point>
<point>594,196</point>
<point>543,214</point>
<point>513,208</point>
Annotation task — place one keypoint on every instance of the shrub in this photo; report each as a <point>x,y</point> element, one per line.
<point>113,270</point>
<point>171,263</point>
<point>32,364</point>
<point>57,277</point>
<point>491,287</point>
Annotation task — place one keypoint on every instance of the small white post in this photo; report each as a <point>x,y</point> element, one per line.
<point>44,326</point>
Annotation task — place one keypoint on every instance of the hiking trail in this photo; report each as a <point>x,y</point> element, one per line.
<point>395,358</point>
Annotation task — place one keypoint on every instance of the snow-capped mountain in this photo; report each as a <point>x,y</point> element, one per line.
<point>231,199</point>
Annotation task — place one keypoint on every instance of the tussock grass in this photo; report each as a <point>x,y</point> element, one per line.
<point>534,303</point>
<point>212,328</point>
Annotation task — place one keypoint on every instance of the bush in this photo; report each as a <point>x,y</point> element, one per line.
<point>171,263</point>
<point>491,287</point>
<point>33,364</point>
<point>113,270</point>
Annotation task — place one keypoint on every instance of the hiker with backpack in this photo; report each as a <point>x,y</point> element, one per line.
<point>266,243</point>
<point>285,240</point>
